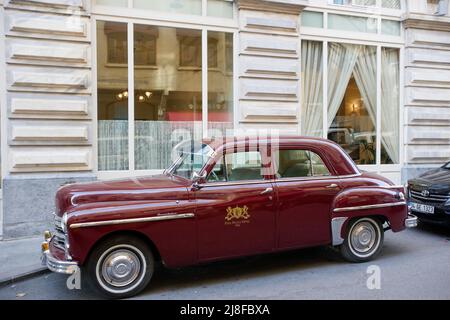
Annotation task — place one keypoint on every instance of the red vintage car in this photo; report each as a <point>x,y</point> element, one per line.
<point>219,200</point>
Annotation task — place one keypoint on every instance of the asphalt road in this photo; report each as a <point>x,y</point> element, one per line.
<point>414,264</point>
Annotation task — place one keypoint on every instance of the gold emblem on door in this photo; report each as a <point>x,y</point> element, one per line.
<point>237,215</point>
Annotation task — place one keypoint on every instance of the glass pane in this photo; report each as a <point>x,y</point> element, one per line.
<point>390,27</point>
<point>112,96</point>
<point>312,19</point>
<point>392,4</point>
<point>177,6</point>
<point>244,166</point>
<point>352,100</point>
<point>167,97</point>
<point>116,3</point>
<point>365,2</point>
<point>220,8</point>
<point>299,163</point>
<point>390,105</point>
<point>351,23</point>
<point>220,84</point>
<point>312,84</point>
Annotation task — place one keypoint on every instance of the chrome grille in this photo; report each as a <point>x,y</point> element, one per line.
<point>60,236</point>
<point>431,197</point>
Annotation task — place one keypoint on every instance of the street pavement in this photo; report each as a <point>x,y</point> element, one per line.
<point>414,264</point>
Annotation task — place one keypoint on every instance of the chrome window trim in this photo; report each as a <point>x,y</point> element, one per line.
<point>132,220</point>
<point>370,206</point>
<point>243,182</point>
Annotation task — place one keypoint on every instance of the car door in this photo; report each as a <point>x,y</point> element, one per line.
<point>306,189</point>
<point>235,207</point>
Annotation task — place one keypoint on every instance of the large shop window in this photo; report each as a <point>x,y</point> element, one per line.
<point>166,106</point>
<point>352,92</point>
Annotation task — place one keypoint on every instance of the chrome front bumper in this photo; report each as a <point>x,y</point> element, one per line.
<point>58,266</point>
<point>411,221</point>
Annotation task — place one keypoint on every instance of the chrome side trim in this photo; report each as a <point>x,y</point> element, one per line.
<point>133,220</point>
<point>393,187</point>
<point>336,230</point>
<point>370,206</point>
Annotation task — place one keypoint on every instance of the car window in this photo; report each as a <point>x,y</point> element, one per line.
<point>299,163</point>
<point>238,166</point>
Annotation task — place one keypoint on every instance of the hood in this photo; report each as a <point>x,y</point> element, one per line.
<point>156,187</point>
<point>435,180</point>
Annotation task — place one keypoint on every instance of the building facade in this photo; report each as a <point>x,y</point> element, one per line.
<point>105,88</point>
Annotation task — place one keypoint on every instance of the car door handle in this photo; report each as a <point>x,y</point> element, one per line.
<point>332,186</point>
<point>268,190</point>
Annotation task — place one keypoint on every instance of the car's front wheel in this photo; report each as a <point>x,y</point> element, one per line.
<point>363,240</point>
<point>121,266</point>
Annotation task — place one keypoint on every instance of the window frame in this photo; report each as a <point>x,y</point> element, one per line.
<point>377,167</point>
<point>130,17</point>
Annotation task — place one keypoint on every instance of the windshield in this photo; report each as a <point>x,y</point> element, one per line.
<point>446,166</point>
<point>191,157</point>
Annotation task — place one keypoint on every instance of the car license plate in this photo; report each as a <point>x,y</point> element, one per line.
<point>422,208</point>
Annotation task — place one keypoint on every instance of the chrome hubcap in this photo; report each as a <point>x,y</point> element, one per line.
<point>121,267</point>
<point>363,237</point>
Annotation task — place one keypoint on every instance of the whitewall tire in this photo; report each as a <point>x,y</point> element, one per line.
<point>363,240</point>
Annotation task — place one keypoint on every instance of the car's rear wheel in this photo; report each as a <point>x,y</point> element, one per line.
<point>121,267</point>
<point>363,241</point>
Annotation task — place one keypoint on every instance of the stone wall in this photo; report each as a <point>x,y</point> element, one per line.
<point>49,126</point>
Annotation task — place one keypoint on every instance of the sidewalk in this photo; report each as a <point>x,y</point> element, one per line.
<point>20,259</point>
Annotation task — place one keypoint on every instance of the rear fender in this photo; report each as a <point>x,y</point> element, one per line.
<point>386,203</point>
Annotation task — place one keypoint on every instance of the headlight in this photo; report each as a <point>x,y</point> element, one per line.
<point>64,223</point>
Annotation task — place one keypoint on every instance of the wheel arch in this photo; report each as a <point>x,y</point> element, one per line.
<point>131,233</point>
<point>340,224</point>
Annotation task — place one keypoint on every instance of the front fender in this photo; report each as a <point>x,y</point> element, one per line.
<point>167,224</point>
<point>384,202</point>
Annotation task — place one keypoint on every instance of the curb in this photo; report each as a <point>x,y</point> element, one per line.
<point>23,276</point>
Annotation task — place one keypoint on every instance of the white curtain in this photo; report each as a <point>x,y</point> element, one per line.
<point>365,74</point>
<point>312,99</point>
<point>390,103</point>
<point>341,62</point>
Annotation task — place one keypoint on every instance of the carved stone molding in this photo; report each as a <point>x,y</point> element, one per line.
<point>280,6</point>
<point>427,22</point>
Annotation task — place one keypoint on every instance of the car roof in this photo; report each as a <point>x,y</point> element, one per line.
<point>335,155</point>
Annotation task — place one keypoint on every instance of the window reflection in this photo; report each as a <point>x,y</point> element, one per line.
<point>112,96</point>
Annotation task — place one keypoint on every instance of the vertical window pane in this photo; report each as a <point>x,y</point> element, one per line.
<point>220,8</point>
<point>168,92</point>
<point>390,105</point>
<point>392,4</point>
<point>352,100</point>
<point>220,83</point>
<point>390,27</point>
<point>177,6</point>
<point>352,23</point>
<point>312,19</point>
<point>112,96</point>
<point>117,3</point>
<point>312,86</point>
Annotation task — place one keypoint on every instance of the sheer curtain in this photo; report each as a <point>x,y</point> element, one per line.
<point>341,62</point>
<point>366,79</point>
<point>312,72</point>
<point>390,103</point>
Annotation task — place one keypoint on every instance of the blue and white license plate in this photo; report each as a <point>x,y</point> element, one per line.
<point>422,208</point>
